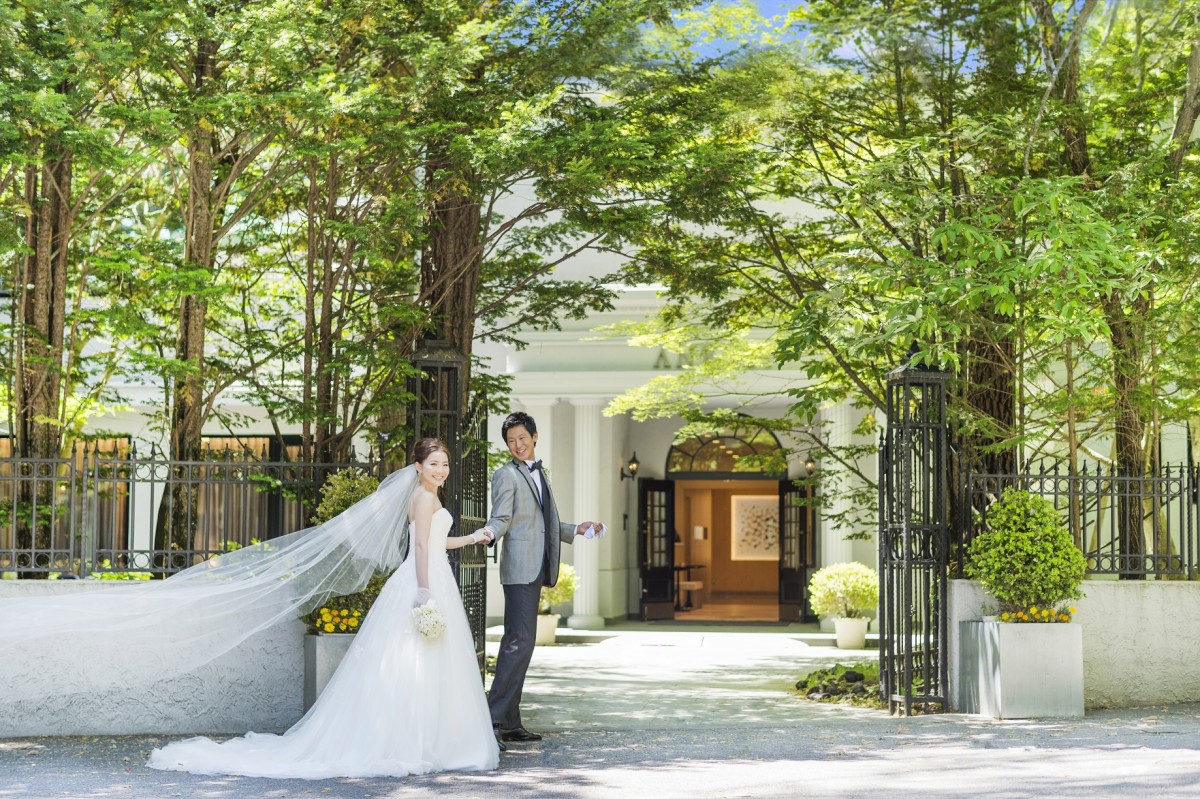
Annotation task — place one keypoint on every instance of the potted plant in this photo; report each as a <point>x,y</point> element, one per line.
<point>848,593</point>
<point>1029,663</point>
<point>553,596</point>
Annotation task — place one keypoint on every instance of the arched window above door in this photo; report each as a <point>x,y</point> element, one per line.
<point>720,454</point>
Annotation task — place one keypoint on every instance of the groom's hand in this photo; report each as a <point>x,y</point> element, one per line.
<point>488,536</point>
<point>591,529</point>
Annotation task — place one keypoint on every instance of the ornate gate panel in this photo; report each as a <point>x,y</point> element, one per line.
<point>438,410</point>
<point>914,542</point>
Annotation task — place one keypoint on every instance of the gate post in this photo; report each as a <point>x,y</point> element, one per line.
<point>914,542</point>
<point>438,409</point>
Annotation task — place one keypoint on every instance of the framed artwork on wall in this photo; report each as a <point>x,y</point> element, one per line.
<point>755,527</point>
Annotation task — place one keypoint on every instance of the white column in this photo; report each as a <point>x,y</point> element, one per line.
<point>587,508</point>
<point>840,421</point>
<point>552,439</point>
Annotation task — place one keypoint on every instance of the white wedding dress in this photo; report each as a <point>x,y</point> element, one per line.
<point>398,704</point>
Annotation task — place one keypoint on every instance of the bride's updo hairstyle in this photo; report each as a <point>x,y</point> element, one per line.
<point>426,447</point>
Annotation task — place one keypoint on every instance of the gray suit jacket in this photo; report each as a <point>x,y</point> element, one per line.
<point>517,518</point>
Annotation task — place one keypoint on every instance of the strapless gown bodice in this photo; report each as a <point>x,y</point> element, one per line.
<point>439,530</point>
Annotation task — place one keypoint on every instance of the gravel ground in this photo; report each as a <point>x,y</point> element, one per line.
<point>699,715</point>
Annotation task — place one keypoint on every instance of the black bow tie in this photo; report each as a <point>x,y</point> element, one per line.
<point>536,466</point>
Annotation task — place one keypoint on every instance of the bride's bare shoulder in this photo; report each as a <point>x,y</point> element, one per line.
<point>423,504</point>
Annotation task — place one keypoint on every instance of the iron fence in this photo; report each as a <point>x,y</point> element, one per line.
<point>1133,526</point>
<point>120,512</point>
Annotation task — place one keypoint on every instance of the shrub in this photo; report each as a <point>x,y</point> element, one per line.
<point>1026,559</point>
<point>343,614</point>
<point>342,490</point>
<point>116,575</point>
<point>844,591</point>
<point>560,592</point>
<point>856,684</point>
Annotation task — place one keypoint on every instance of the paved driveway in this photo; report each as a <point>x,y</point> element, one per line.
<point>699,715</point>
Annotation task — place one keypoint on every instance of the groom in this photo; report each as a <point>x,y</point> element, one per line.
<point>523,513</point>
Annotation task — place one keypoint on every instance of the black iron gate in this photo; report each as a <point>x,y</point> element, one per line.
<point>439,409</point>
<point>914,542</point>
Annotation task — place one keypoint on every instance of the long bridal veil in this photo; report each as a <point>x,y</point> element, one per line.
<point>147,632</point>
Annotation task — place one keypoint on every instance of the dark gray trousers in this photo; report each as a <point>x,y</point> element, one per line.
<point>516,650</point>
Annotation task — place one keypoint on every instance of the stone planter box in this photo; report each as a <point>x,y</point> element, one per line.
<point>1021,671</point>
<point>323,653</point>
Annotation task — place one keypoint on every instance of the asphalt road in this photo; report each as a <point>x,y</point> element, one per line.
<point>700,715</point>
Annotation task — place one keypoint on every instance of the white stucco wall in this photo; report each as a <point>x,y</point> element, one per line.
<point>257,686</point>
<point>1140,640</point>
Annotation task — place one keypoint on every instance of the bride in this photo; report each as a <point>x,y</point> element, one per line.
<point>400,703</point>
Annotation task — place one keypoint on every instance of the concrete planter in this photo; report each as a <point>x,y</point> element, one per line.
<point>1021,671</point>
<point>323,653</point>
<point>851,633</point>
<point>547,623</point>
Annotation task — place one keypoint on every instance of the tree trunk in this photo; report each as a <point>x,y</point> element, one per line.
<point>41,310</point>
<point>188,394</point>
<point>177,515</point>
<point>40,303</point>
<point>991,392</point>
<point>451,269</point>
<point>1065,56</point>
<point>328,262</point>
<point>452,262</point>
<point>1130,428</point>
<point>1126,325</point>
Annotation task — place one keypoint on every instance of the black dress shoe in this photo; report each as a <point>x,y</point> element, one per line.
<point>499,742</point>
<point>520,735</point>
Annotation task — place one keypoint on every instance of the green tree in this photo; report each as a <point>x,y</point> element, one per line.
<point>61,164</point>
<point>921,182</point>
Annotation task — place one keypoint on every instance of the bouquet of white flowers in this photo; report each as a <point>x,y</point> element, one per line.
<point>428,620</point>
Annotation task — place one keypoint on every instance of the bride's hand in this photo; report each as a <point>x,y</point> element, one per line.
<point>422,597</point>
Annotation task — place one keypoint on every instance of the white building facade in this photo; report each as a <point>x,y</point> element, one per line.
<point>566,380</point>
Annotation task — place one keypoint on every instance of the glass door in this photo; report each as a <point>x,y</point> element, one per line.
<point>656,547</point>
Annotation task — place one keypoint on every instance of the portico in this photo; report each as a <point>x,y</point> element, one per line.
<point>565,379</point>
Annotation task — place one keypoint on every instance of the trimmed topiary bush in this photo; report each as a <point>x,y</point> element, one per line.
<point>1026,559</point>
<point>844,591</point>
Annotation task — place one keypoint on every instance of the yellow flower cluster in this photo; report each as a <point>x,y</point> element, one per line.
<point>333,620</point>
<point>1040,615</point>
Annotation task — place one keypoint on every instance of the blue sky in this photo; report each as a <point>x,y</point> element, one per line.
<point>769,8</point>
